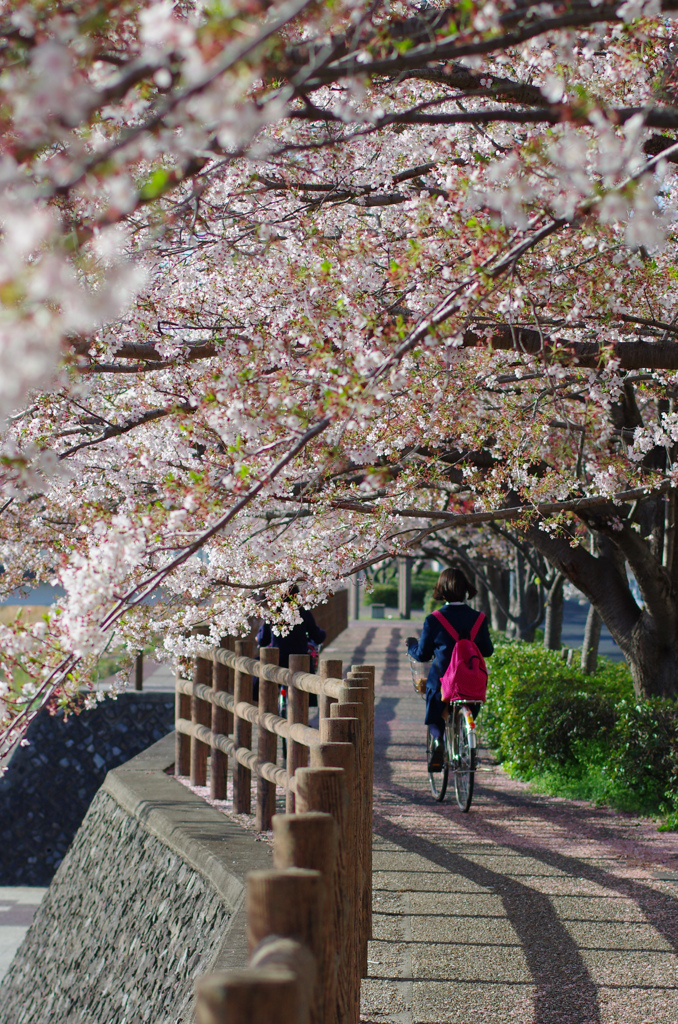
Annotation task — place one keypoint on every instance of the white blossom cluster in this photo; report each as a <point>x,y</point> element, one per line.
<point>241,347</point>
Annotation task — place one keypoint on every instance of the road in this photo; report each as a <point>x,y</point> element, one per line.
<point>530,910</point>
<point>18,904</point>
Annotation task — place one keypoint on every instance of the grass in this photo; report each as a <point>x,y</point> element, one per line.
<point>114,660</point>
<point>28,612</point>
<point>588,779</point>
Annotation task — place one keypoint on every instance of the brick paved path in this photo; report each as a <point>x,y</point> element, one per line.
<point>527,910</point>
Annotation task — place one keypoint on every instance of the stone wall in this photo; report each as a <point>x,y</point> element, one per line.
<point>45,794</point>
<point>111,969</point>
<point>149,897</point>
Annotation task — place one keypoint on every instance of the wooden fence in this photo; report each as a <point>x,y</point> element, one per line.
<point>309,918</point>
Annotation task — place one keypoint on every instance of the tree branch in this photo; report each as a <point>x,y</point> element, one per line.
<point>658,117</point>
<point>124,428</point>
<point>550,508</point>
<point>631,355</point>
<point>449,48</point>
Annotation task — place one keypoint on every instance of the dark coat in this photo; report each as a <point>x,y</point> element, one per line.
<point>296,641</point>
<point>436,645</point>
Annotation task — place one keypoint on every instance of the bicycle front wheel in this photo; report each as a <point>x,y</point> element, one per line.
<point>437,780</point>
<point>464,761</point>
<point>282,712</point>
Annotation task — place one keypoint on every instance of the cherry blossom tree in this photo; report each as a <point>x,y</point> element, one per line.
<point>288,289</point>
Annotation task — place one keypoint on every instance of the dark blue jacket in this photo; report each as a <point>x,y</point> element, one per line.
<point>296,641</point>
<point>436,645</point>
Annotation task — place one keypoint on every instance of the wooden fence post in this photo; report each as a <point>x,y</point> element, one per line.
<point>328,669</point>
<point>297,713</point>
<point>220,716</point>
<point>228,643</point>
<point>258,996</point>
<point>182,742</point>
<point>139,671</point>
<point>267,743</point>
<point>242,732</point>
<point>343,755</point>
<point>294,956</point>
<point>310,920</point>
<point>357,711</point>
<point>310,840</point>
<point>364,674</point>
<point>289,904</point>
<point>201,714</point>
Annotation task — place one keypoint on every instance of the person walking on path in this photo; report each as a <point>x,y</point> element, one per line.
<point>436,644</point>
<point>297,640</point>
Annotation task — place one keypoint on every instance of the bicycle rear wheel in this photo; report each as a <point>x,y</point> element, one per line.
<point>438,780</point>
<point>464,761</point>
<point>282,711</point>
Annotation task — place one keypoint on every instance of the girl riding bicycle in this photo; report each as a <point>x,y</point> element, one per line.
<point>436,644</point>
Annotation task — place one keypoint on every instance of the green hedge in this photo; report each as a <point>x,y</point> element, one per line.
<point>387,593</point>
<point>383,593</point>
<point>582,736</point>
<point>422,583</point>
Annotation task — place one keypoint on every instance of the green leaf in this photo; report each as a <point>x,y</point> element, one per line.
<point>155,185</point>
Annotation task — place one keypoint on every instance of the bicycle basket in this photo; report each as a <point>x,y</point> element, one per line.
<point>419,670</point>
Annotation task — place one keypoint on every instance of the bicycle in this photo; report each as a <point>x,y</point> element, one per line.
<point>460,746</point>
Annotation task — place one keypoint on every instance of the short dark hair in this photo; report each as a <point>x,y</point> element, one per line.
<point>453,585</point>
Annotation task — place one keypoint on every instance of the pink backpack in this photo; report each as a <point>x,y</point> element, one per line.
<point>465,678</point>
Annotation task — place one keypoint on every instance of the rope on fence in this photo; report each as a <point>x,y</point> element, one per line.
<point>242,755</point>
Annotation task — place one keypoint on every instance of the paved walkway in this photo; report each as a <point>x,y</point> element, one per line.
<point>18,904</point>
<point>527,910</point>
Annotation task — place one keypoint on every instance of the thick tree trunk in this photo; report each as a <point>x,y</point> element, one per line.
<point>498,598</point>
<point>647,637</point>
<point>481,601</point>
<point>669,534</point>
<point>589,651</point>
<point>656,674</point>
<point>524,600</point>
<point>652,659</point>
<point>553,624</point>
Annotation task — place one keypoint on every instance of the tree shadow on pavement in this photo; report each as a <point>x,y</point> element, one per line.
<point>360,651</point>
<point>566,993</point>
<point>392,657</point>
<point>559,810</point>
<point>660,910</point>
